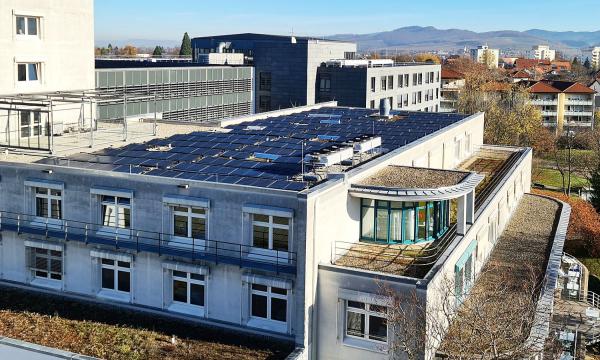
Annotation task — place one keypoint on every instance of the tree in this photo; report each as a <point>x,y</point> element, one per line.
<point>129,50</point>
<point>186,46</point>
<point>575,61</point>
<point>110,49</point>
<point>587,64</point>
<point>595,184</point>
<point>158,51</point>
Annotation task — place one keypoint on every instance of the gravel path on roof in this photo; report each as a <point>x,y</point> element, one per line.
<point>414,178</point>
<point>500,304</point>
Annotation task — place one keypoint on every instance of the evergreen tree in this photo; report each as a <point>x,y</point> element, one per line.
<point>186,46</point>
<point>575,60</point>
<point>158,51</point>
<point>595,184</point>
<point>587,64</point>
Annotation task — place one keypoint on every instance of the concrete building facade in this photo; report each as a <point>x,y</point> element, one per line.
<point>484,55</point>
<point>285,66</point>
<point>451,86</point>
<point>543,52</point>
<point>364,83</point>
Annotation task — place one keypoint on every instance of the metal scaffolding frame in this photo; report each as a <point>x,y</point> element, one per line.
<point>50,103</point>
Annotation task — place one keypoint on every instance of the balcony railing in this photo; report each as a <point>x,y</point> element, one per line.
<point>154,242</point>
<point>579,113</point>
<point>579,102</point>
<point>543,102</point>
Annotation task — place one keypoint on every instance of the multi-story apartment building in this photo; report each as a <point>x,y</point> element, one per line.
<point>543,52</point>
<point>285,66</point>
<point>563,104</point>
<point>484,55</point>
<point>180,91</point>
<point>364,83</point>
<point>452,84</point>
<point>257,225</point>
<point>596,57</point>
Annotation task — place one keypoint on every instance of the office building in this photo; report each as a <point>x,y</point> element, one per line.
<point>285,66</point>
<point>484,55</point>
<point>365,83</point>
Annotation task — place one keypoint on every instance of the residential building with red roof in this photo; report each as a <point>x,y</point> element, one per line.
<point>451,86</point>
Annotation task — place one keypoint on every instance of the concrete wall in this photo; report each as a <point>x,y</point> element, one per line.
<point>64,47</point>
<point>227,297</point>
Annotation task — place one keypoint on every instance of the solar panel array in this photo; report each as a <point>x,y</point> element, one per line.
<point>264,153</point>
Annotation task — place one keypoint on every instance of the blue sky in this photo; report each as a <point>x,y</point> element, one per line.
<point>168,20</point>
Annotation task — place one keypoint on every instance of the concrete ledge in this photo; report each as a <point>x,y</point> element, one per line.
<point>264,115</point>
<point>50,352</point>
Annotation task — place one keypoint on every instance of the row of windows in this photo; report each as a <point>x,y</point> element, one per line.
<point>417,98</point>
<point>387,81</point>
<point>189,223</point>
<point>188,289</point>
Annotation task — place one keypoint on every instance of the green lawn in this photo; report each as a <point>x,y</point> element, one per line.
<point>552,178</point>
<point>578,156</point>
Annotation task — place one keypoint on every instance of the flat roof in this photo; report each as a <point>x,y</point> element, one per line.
<point>405,177</point>
<point>264,153</point>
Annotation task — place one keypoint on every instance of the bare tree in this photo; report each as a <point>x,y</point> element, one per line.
<point>492,321</point>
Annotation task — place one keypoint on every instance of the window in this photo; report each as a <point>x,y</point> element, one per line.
<point>406,81</point>
<point>188,288</point>
<point>372,104</point>
<point>264,103</point>
<point>270,232</point>
<point>420,78</point>
<point>28,72</point>
<point>268,302</point>
<point>48,203</point>
<point>419,97</point>
<point>405,100</point>
<point>415,76</point>
<point>27,25</point>
<point>116,275</point>
<point>264,81</point>
<point>383,83</point>
<point>30,123</point>
<point>366,321</point>
<point>325,84</point>
<point>403,222</point>
<point>349,55</point>
<point>464,272</point>
<point>373,84</point>
<point>189,222</point>
<point>400,81</point>
<point>46,264</point>
<point>390,82</point>
<point>414,98</point>
<point>116,212</point>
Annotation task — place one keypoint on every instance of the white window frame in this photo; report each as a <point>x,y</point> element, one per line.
<point>189,240</point>
<point>27,72</point>
<point>114,293</point>
<point>367,313</point>
<point>268,323</point>
<point>187,307</point>
<point>270,254</point>
<point>46,281</point>
<point>49,220</point>
<point>26,18</point>
<point>32,126</point>
<point>271,225</point>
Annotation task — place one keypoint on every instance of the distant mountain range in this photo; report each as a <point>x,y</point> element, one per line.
<point>420,38</point>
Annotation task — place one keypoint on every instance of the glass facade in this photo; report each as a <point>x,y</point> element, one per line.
<point>403,222</point>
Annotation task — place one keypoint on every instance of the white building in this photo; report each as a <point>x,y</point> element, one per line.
<point>484,55</point>
<point>595,59</point>
<point>543,52</point>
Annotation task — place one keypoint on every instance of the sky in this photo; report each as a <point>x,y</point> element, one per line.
<point>168,20</point>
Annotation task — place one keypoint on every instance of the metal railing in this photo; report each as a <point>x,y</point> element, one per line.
<point>148,241</point>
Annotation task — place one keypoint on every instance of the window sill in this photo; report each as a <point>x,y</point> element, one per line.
<point>47,283</point>
<point>193,310</point>
<point>267,255</point>
<point>114,295</point>
<point>365,344</point>
<point>270,325</point>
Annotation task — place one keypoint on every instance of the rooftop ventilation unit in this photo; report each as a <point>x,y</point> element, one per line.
<point>367,145</point>
<point>330,158</point>
<point>328,137</point>
<point>265,156</point>
<point>384,108</point>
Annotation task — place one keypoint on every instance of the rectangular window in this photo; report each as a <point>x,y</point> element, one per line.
<point>373,84</point>
<point>415,77</point>
<point>46,264</point>
<point>400,81</point>
<point>325,84</point>
<point>419,97</point>
<point>264,81</point>
<point>366,321</point>
<point>116,275</point>
<point>270,232</point>
<point>28,72</point>
<point>383,83</point>
<point>420,78</point>
<point>27,25</point>
<point>264,103</point>
<point>390,82</point>
<point>406,80</point>
<point>116,212</point>
<point>268,302</point>
<point>372,104</point>
<point>188,288</point>
<point>189,222</point>
<point>48,203</point>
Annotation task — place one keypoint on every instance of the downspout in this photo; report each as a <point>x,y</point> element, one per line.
<point>313,352</point>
